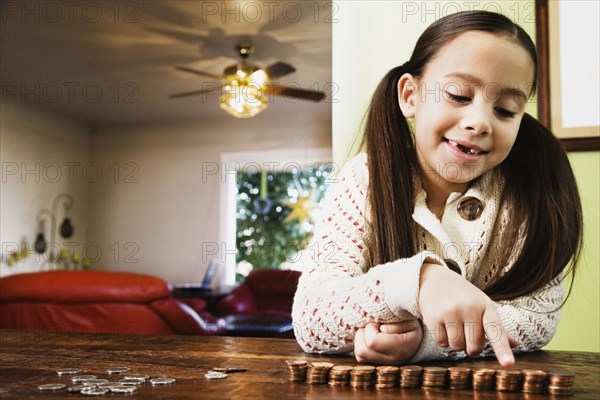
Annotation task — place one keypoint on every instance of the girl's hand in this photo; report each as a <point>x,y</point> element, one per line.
<point>460,315</point>
<point>388,343</point>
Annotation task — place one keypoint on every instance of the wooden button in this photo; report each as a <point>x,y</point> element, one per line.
<point>470,208</point>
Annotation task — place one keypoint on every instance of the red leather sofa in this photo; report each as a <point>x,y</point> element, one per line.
<point>100,302</point>
<point>261,305</point>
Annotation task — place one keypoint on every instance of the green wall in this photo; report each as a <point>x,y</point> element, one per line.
<point>579,327</point>
<point>369,38</point>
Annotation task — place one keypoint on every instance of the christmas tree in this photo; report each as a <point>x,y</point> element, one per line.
<point>275,215</point>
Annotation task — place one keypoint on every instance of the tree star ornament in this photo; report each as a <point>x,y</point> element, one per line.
<point>301,209</point>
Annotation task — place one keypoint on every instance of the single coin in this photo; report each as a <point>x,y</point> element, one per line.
<point>68,371</point>
<point>82,378</point>
<point>76,389</point>
<point>162,381</point>
<point>215,375</point>
<point>52,386</point>
<point>109,385</point>
<point>94,382</point>
<point>117,370</point>
<point>123,389</point>
<point>141,377</point>
<point>228,370</point>
<point>129,381</point>
<point>94,391</point>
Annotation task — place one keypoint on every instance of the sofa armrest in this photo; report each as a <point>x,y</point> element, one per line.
<point>240,301</point>
<point>185,321</point>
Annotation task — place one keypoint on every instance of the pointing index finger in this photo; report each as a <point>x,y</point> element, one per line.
<point>498,337</point>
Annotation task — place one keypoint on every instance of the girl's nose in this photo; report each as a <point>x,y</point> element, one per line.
<point>477,119</point>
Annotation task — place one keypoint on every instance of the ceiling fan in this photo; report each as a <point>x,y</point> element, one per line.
<point>246,89</point>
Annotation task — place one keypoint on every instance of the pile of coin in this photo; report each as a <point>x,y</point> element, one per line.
<point>460,378</point>
<point>534,381</point>
<point>560,383</point>
<point>431,377</point>
<point>318,373</point>
<point>297,370</point>
<point>362,376</point>
<point>411,376</point>
<point>508,380</point>
<point>484,379</point>
<point>434,377</point>
<point>387,377</point>
<point>339,375</point>
<point>90,385</point>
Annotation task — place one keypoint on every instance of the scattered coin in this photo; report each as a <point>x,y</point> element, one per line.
<point>162,381</point>
<point>68,371</point>
<point>215,375</point>
<point>94,382</point>
<point>109,385</point>
<point>132,382</point>
<point>141,377</point>
<point>52,386</point>
<point>117,370</point>
<point>76,389</point>
<point>123,389</point>
<point>94,391</point>
<point>228,370</point>
<point>82,378</point>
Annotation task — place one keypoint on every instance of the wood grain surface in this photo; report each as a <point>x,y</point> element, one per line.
<point>31,358</point>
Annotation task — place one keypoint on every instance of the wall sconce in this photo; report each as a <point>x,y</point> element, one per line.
<point>65,230</point>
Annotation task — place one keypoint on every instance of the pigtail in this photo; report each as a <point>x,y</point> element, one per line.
<point>392,167</point>
<point>545,208</point>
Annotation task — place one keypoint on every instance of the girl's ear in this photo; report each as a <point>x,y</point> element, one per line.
<point>407,94</point>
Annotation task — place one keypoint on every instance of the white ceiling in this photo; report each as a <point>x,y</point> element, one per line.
<point>109,63</point>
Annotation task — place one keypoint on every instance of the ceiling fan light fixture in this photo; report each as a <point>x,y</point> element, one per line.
<point>243,91</point>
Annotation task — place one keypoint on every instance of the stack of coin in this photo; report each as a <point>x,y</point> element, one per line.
<point>434,377</point>
<point>339,375</point>
<point>318,373</point>
<point>508,380</point>
<point>460,377</point>
<point>387,377</point>
<point>483,379</point>
<point>560,383</point>
<point>411,376</point>
<point>362,376</point>
<point>297,370</point>
<point>534,381</point>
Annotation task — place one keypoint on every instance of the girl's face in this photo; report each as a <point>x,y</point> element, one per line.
<point>467,106</point>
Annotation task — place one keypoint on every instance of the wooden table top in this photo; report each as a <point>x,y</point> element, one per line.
<point>31,358</point>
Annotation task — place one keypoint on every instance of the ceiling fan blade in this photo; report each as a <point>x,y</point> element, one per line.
<point>290,91</point>
<point>196,92</point>
<point>195,71</point>
<point>279,69</point>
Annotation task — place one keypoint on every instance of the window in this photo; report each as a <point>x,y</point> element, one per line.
<point>270,207</point>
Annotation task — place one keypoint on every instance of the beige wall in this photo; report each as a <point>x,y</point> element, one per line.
<point>166,219</point>
<point>42,156</point>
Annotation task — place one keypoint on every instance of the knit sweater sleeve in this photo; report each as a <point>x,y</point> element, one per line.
<point>337,294</point>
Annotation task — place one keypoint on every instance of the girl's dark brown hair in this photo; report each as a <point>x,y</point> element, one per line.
<point>540,189</point>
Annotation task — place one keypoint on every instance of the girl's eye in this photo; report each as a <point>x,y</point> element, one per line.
<point>505,113</point>
<point>457,98</point>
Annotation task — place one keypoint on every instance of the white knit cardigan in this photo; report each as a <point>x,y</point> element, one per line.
<point>336,294</point>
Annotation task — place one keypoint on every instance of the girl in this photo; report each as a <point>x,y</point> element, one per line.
<point>450,235</point>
